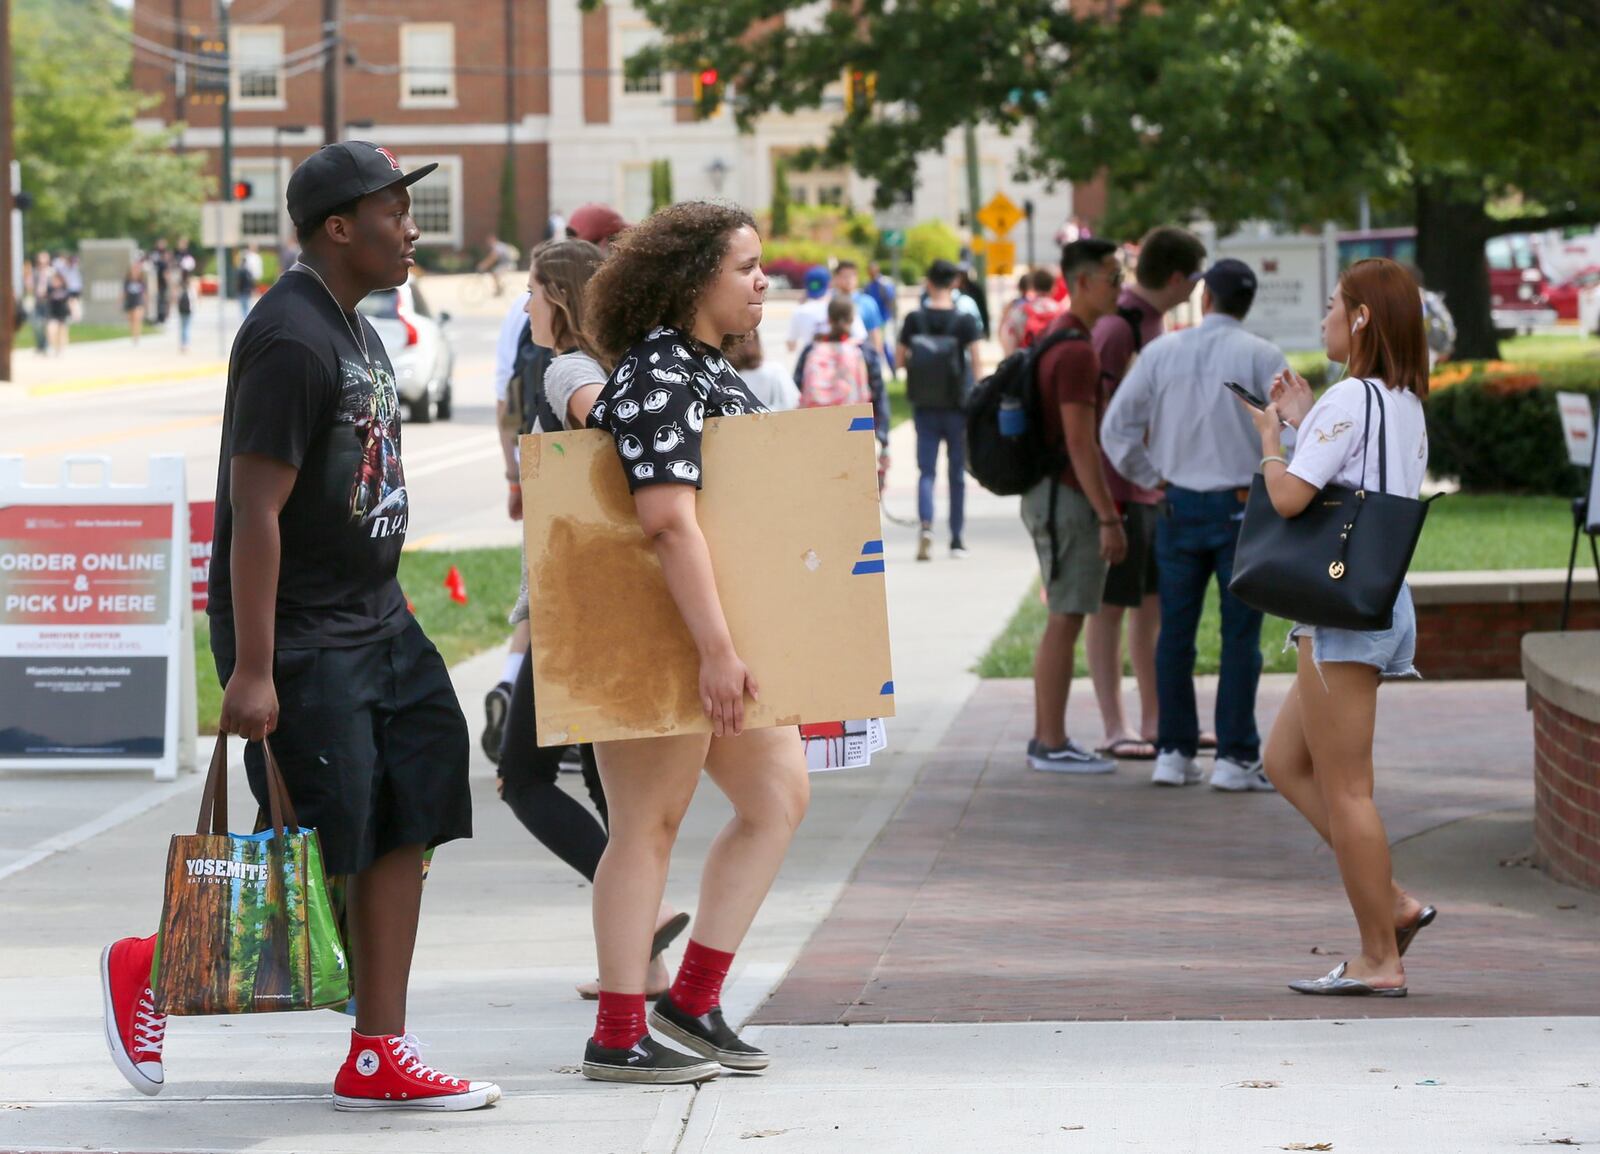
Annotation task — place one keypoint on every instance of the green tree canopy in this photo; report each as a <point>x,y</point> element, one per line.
<point>1285,110</point>
<point>89,170</point>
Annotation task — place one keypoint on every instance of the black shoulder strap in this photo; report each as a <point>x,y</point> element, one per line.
<point>1383,439</point>
<point>1135,321</point>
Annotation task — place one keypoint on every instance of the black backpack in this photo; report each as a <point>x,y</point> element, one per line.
<point>936,365</point>
<point>525,394</point>
<point>1010,465</point>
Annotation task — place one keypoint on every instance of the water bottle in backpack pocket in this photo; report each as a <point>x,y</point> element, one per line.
<point>1008,449</point>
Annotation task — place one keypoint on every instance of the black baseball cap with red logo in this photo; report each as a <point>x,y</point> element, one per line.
<point>339,173</point>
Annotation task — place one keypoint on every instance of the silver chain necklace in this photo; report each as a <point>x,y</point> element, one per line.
<point>361,339</point>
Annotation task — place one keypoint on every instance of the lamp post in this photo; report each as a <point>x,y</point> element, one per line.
<point>717,170</point>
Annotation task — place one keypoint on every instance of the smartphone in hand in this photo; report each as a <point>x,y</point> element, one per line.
<point>1244,394</point>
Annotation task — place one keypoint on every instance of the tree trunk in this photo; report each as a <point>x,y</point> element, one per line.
<point>1452,228</point>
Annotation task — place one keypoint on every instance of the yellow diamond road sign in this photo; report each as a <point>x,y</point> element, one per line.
<point>1000,215</point>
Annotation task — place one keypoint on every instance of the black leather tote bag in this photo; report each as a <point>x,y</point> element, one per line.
<point>1341,562</point>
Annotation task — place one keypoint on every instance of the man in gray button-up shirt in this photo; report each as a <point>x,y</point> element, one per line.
<point>1173,424</point>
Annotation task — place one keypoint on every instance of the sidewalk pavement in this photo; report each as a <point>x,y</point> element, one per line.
<point>506,933</point>
<point>91,365</point>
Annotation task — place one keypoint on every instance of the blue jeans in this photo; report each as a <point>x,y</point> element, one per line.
<point>934,426</point>
<point>1195,541</point>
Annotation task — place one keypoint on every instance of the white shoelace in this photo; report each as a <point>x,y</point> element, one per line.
<point>149,1027</point>
<point>408,1051</point>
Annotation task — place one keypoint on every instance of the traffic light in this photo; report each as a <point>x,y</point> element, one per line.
<point>707,92</point>
<point>860,89</point>
<point>241,190</point>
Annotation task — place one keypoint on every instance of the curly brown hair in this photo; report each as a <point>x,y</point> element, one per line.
<point>656,272</point>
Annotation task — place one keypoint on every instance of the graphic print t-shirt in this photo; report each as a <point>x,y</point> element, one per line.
<point>300,392</point>
<point>656,402</point>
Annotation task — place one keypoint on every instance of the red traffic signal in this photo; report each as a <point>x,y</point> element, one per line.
<point>241,190</point>
<point>708,78</point>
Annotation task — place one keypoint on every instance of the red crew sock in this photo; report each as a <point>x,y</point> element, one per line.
<point>620,1022</point>
<point>698,989</point>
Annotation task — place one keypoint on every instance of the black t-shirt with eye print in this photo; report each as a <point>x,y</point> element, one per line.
<point>656,401</point>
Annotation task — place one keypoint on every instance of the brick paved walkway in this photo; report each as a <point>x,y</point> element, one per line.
<point>1002,894</point>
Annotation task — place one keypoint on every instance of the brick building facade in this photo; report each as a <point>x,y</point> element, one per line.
<point>473,82</point>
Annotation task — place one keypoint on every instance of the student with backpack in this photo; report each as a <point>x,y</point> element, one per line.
<point>1076,527</point>
<point>833,367</point>
<point>939,348</point>
<point>1168,258</point>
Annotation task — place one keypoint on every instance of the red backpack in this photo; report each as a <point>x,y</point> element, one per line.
<point>1040,312</point>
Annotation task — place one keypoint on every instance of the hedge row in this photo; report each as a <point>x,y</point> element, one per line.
<point>1495,428</point>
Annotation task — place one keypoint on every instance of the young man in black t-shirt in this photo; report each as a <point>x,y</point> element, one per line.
<point>306,614</point>
<point>939,348</point>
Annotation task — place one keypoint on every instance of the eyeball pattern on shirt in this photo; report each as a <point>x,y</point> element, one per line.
<point>658,434</point>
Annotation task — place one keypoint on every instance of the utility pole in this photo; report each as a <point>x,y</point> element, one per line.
<point>332,63</point>
<point>980,263</point>
<point>8,287</point>
<point>224,260</point>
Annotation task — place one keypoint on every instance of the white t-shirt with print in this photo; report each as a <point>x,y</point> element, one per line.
<point>1328,445</point>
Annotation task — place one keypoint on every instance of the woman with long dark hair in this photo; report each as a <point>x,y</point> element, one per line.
<point>675,292</point>
<point>1320,753</point>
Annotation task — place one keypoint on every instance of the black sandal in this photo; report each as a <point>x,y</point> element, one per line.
<point>668,933</point>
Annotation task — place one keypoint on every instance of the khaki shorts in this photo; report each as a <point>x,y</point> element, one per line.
<point>1081,573</point>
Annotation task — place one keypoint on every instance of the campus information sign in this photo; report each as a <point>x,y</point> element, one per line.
<point>95,662</point>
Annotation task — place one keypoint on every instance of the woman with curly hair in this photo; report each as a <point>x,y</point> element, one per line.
<point>675,291</point>
<point>528,772</point>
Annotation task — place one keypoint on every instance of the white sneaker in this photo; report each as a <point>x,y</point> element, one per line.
<point>1172,768</point>
<point>1231,777</point>
<point>1069,758</point>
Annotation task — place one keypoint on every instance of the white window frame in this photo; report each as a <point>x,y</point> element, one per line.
<point>621,33</point>
<point>245,103</point>
<point>450,170</point>
<point>431,100</point>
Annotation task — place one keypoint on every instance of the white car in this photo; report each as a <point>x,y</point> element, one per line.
<point>418,347</point>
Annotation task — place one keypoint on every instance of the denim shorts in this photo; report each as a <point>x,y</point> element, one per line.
<point>1390,651</point>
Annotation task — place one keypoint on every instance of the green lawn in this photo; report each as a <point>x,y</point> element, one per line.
<point>1463,532</point>
<point>1544,348</point>
<point>492,577</point>
<point>80,333</point>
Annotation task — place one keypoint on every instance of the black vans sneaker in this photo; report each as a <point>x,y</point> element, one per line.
<point>496,705</point>
<point>646,1061</point>
<point>708,1035</point>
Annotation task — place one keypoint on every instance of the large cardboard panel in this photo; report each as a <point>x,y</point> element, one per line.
<point>790,512</point>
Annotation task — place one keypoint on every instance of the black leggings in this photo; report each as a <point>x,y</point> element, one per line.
<point>528,786</point>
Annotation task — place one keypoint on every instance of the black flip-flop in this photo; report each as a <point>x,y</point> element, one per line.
<point>1403,935</point>
<point>1116,749</point>
<point>668,933</point>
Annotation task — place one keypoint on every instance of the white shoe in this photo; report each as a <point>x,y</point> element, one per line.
<point>1172,768</point>
<point>1231,777</point>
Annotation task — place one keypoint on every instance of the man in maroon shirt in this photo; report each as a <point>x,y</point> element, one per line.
<point>1168,258</point>
<point>1074,521</point>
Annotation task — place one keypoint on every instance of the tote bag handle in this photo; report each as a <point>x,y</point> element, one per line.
<point>214,800</point>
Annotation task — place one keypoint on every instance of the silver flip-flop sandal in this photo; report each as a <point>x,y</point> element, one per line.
<point>1337,983</point>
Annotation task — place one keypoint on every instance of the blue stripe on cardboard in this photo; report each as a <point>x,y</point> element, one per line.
<point>862,425</point>
<point>871,547</point>
<point>867,567</point>
<point>887,690</point>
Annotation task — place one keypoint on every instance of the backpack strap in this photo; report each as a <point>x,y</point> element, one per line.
<point>1036,353</point>
<point>1135,322</point>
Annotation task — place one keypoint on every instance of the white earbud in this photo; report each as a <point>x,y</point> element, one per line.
<point>1359,322</point>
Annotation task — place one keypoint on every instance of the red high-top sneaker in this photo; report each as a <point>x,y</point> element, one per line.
<point>134,1031</point>
<point>387,1072</point>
